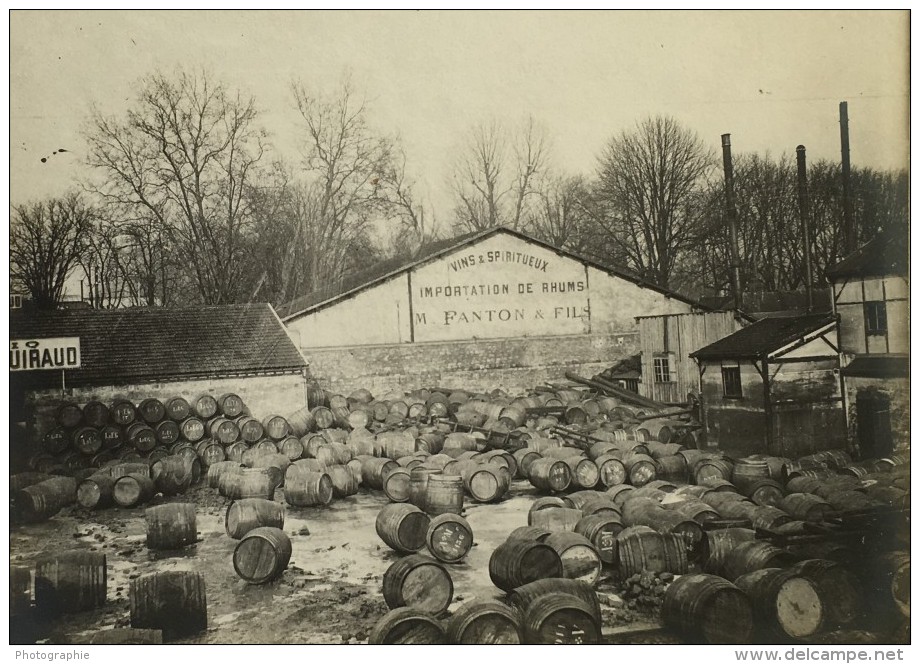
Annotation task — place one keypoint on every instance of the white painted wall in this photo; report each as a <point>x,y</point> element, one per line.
<point>616,302</point>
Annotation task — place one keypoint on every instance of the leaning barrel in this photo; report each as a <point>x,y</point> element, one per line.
<point>407,626</point>
<point>517,562</point>
<point>403,527</point>
<point>485,623</point>
<point>250,513</point>
<point>708,609</point>
<point>420,582</point>
<point>262,555</point>
<point>449,538</point>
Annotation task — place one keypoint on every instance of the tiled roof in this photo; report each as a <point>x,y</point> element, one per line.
<point>764,336</point>
<point>119,346</point>
<point>886,254</point>
<point>878,366</point>
<point>385,270</point>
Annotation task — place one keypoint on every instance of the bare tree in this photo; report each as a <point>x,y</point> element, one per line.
<point>648,198</point>
<point>182,159</point>
<point>415,224</point>
<point>104,265</point>
<point>561,216</point>
<point>47,240</point>
<point>497,175</point>
<point>345,162</point>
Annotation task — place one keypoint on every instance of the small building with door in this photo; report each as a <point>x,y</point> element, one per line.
<point>773,387</point>
<point>871,292</point>
<point>151,352</point>
<point>668,374</point>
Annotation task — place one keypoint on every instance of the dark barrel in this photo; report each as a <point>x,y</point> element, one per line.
<point>420,582</point>
<point>151,410</point>
<point>69,582</point>
<point>403,527</point>
<point>230,405</point>
<point>96,414</point>
<point>127,636</point>
<point>449,538</point>
<point>174,602</point>
<point>123,413</point>
<point>485,622</point>
<point>517,562</point>
<point>644,549</point>
<point>407,626</point>
<point>205,406</point>
<point>580,560</point>
<point>751,556</point>
<point>708,609</point>
<point>839,589</point>
<point>87,440</point>
<point>550,475</point>
<point>45,499</point>
<point>784,604</point>
<point>171,526</point>
<point>178,409</point>
<point>563,619</point>
<point>601,530</point>
<point>531,533</point>
<point>396,485</point>
<point>262,555</point>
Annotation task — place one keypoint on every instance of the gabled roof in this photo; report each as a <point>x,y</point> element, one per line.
<point>878,366</point>
<point>763,337</point>
<point>386,270</point>
<point>884,255</point>
<point>119,346</point>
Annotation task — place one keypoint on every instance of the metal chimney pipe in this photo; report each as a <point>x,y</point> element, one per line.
<point>849,233</point>
<point>805,219</point>
<point>732,216</point>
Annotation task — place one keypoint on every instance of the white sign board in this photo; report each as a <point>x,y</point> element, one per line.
<point>502,287</point>
<point>36,354</point>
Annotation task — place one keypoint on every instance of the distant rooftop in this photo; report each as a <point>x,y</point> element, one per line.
<point>884,255</point>
<point>762,337</point>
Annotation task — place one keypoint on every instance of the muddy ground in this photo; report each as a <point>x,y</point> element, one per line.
<point>331,591</point>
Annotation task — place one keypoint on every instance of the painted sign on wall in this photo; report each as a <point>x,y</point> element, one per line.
<point>501,287</point>
<point>36,354</point>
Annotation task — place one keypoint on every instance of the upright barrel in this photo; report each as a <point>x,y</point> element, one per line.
<point>174,602</point>
<point>69,582</point>
<point>171,526</point>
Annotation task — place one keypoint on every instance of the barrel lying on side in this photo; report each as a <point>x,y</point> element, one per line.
<point>449,538</point>
<point>515,563</point>
<point>407,626</point>
<point>403,527</point>
<point>262,555</point>
<point>708,609</point>
<point>249,513</point>
<point>485,623</point>
<point>420,582</point>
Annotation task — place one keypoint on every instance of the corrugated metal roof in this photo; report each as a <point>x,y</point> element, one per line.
<point>884,255</point>
<point>878,366</point>
<point>386,270</point>
<point>119,346</point>
<point>764,336</point>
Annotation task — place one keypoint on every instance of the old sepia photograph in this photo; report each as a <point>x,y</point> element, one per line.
<point>448,327</point>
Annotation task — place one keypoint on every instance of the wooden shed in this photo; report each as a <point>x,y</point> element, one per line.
<point>668,373</point>
<point>774,388</point>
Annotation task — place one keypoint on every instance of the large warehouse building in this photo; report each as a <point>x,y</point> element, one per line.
<point>491,309</point>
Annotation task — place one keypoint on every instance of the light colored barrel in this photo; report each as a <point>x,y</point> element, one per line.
<point>784,604</point>
<point>403,527</point>
<point>250,513</point>
<point>580,559</point>
<point>419,582</point>
<point>307,489</point>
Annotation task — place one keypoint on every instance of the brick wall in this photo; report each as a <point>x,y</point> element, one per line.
<point>264,395</point>
<point>513,364</point>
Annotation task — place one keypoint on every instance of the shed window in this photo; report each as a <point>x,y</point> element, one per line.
<point>876,318</point>
<point>15,301</point>
<point>662,370</point>
<point>731,380</point>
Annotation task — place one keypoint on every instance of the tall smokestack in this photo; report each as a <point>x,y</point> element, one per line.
<point>849,233</point>
<point>731,215</point>
<point>806,223</point>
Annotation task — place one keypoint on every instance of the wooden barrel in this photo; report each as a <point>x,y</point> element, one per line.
<point>839,590</point>
<point>291,447</point>
<point>418,486</point>
<point>419,582</point>
<point>133,489</point>
<point>402,527</point>
<point>322,417</point>
<point>87,440</point>
<point>752,556</point>
<point>141,437</point>
<point>530,533</point>
<point>171,526</point>
<point>301,422</point>
<point>805,506</point>
<point>215,470</point>
<point>123,413</point>
<point>69,582</point>
<point>127,636</point>
<point>45,499</point>
<point>645,549</point>
<point>396,485</point>
<point>205,406</point>
<point>555,519</point>
<point>517,562</point>
<point>784,605</point>
<point>534,592</point>
<point>748,470</point>
<point>620,493</point>
<point>210,452</point>
<point>407,626</point>
<point>449,538</point>
<point>177,409</point>
<point>174,602</point>
<point>112,437</point>
<point>563,619</point>
<point>550,475</point>
<point>585,474</point>
<point>888,583</point>
<point>69,415</point>
<point>486,483</point>
<point>230,405</point>
<point>251,429</point>
<point>718,468</point>
<point>151,410</point>
<point>248,514</point>
<point>487,622</point>
<point>601,530</point>
<point>306,489</point>
<point>343,482</point>
<point>601,505</point>
<point>167,432</point>
<point>95,414</point>
<point>640,468</point>
<point>764,492</point>
<point>224,430</point>
<point>276,426</point>
<point>262,555</point>
<point>248,483</point>
<point>444,494</point>
<point>191,429</point>
<point>580,559</point>
<point>708,609</point>
<point>373,470</point>
<point>611,470</point>
<point>22,480</point>
<point>173,474</point>
<point>673,468</point>
<point>96,491</point>
<point>524,457</point>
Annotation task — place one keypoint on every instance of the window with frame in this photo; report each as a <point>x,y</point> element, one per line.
<point>731,380</point>
<point>662,367</point>
<point>15,301</point>
<point>876,318</point>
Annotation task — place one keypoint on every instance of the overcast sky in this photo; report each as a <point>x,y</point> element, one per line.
<point>771,79</point>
